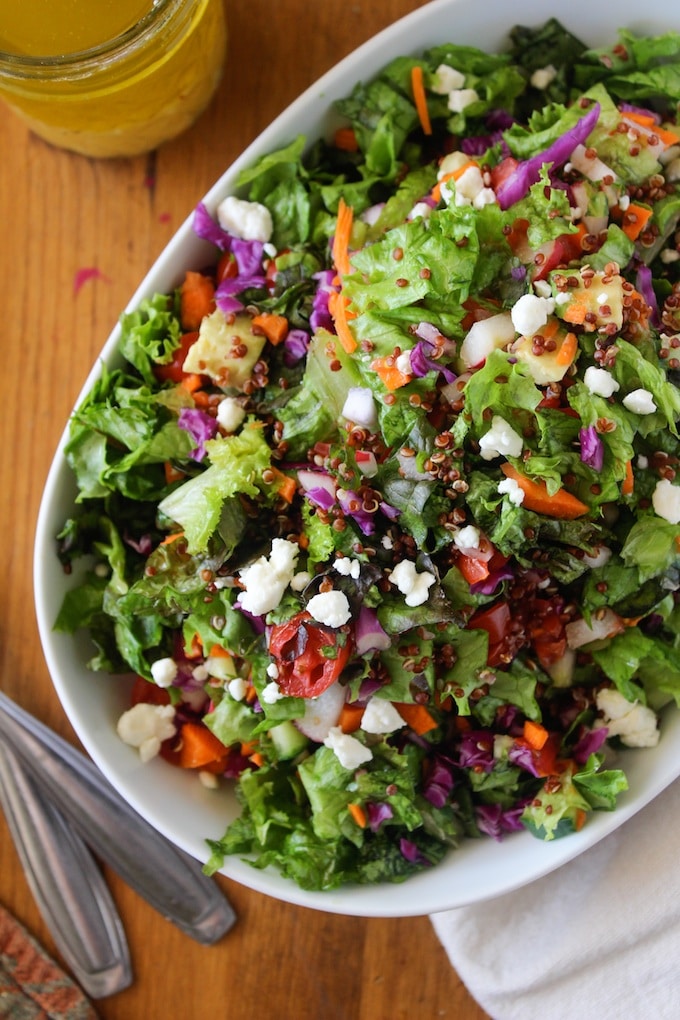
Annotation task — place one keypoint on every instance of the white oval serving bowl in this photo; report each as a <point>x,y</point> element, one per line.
<point>174,801</point>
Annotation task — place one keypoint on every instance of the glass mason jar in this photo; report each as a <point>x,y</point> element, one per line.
<point>129,94</point>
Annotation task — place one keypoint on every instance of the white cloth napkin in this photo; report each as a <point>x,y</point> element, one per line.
<point>598,939</point>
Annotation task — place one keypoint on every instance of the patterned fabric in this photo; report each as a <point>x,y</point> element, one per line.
<point>32,986</point>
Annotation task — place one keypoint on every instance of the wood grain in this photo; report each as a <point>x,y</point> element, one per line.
<point>61,213</point>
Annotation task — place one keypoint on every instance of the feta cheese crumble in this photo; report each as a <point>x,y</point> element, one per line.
<point>266,580</point>
<point>639,402</point>
<point>666,501</point>
<point>164,672</point>
<point>271,693</point>
<point>237,688</point>
<point>447,79</point>
<point>250,221</point>
<point>543,76</point>
<point>600,382</point>
<point>530,313</point>
<point>634,723</point>
<point>348,567</point>
<point>509,487</point>
<point>413,585</point>
<point>460,99</point>
<point>380,716</point>
<point>501,440</point>
<point>468,537</point>
<point>230,414</point>
<point>349,751</point>
<point>145,727</point>
<point>330,608</point>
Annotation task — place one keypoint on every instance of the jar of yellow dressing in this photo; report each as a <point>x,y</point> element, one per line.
<point>110,77</point>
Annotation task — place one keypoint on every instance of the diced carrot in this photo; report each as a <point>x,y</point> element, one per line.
<point>194,649</point>
<point>534,734</point>
<point>350,717</point>
<point>219,652</point>
<point>196,299</point>
<point>199,746</point>
<point>580,819</point>
<point>628,484</point>
<point>274,327</point>
<point>420,98</point>
<point>251,694</point>
<point>249,747</point>
<point>392,376</point>
<point>201,399</point>
<point>416,716</point>
<point>560,504</point>
<point>345,139</point>
<point>568,349</point>
<point>358,814</point>
<point>172,474</point>
<point>191,382</point>
<point>286,485</point>
<point>257,759</point>
<point>634,219</point>
<point>341,239</point>
<point>337,305</point>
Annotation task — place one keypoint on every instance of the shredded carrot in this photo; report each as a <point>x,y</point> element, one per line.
<point>420,98</point>
<point>196,299</point>
<point>251,694</point>
<point>392,376</point>
<point>452,175</point>
<point>568,349</point>
<point>257,759</point>
<point>634,219</point>
<point>664,135</point>
<point>337,305</point>
<point>628,483</point>
<point>580,819</point>
<point>172,474</point>
<point>274,327</point>
<point>195,647</point>
<point>358,814</point>
<point>417,717</point>
<point>350,717</point>
<point>249,747</point>
<point>343,233</point>
<point>535,734</point>
<point>345,139</point>
<point>169,539</point>
<point>199,746</point>
<point>560,504</point>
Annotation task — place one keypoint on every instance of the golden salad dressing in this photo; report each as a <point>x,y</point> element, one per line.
<point>111,77</point>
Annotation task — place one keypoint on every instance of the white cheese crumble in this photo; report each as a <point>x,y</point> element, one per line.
<point>349,751</point>
<point>600,382</point>
<point>250,221</point>
<point>543,76</point>
<point>271,693</point>
<point>208,779</point>
<point>266,580</point>
<point>300,580</point>
<point>468,537</point>
<point>530,313</point>
<point>145,727</point>
<point>447,79</point>
<point>230,414</point>
<point>510,488</point>
<point>330,608</point>
<point>237,688</point>
<point>599,556</point>
<point>666,501</point>
<point>634,723</point>
<point>273,671</point>
<point>639,402</point>
<point>421,210</point>
<point>403,363</point>
<point>380,716</point>
<point>348,567</point>
<point>501,440</point>
<point>164,672</point>
<point>460,99</point>
<point>413,585</point>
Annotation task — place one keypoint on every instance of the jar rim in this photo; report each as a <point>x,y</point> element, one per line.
<point>19,65</point>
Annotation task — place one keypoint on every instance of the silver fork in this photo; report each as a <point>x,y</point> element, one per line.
<point>169,879</point>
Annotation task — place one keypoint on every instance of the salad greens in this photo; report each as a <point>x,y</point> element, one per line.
<point>381,506</point>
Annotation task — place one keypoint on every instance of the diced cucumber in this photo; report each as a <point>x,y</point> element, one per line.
<point>287,740</point>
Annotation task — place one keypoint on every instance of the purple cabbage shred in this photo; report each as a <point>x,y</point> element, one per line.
<point>200,426</point>
<point>592,448</point>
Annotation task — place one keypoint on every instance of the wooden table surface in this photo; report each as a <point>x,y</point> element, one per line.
<point>61,213</point>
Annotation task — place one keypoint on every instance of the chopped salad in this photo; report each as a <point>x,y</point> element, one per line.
<point>380,505</point>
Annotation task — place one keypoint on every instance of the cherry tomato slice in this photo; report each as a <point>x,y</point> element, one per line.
<point>173,371</point>
<point>309,656</point>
